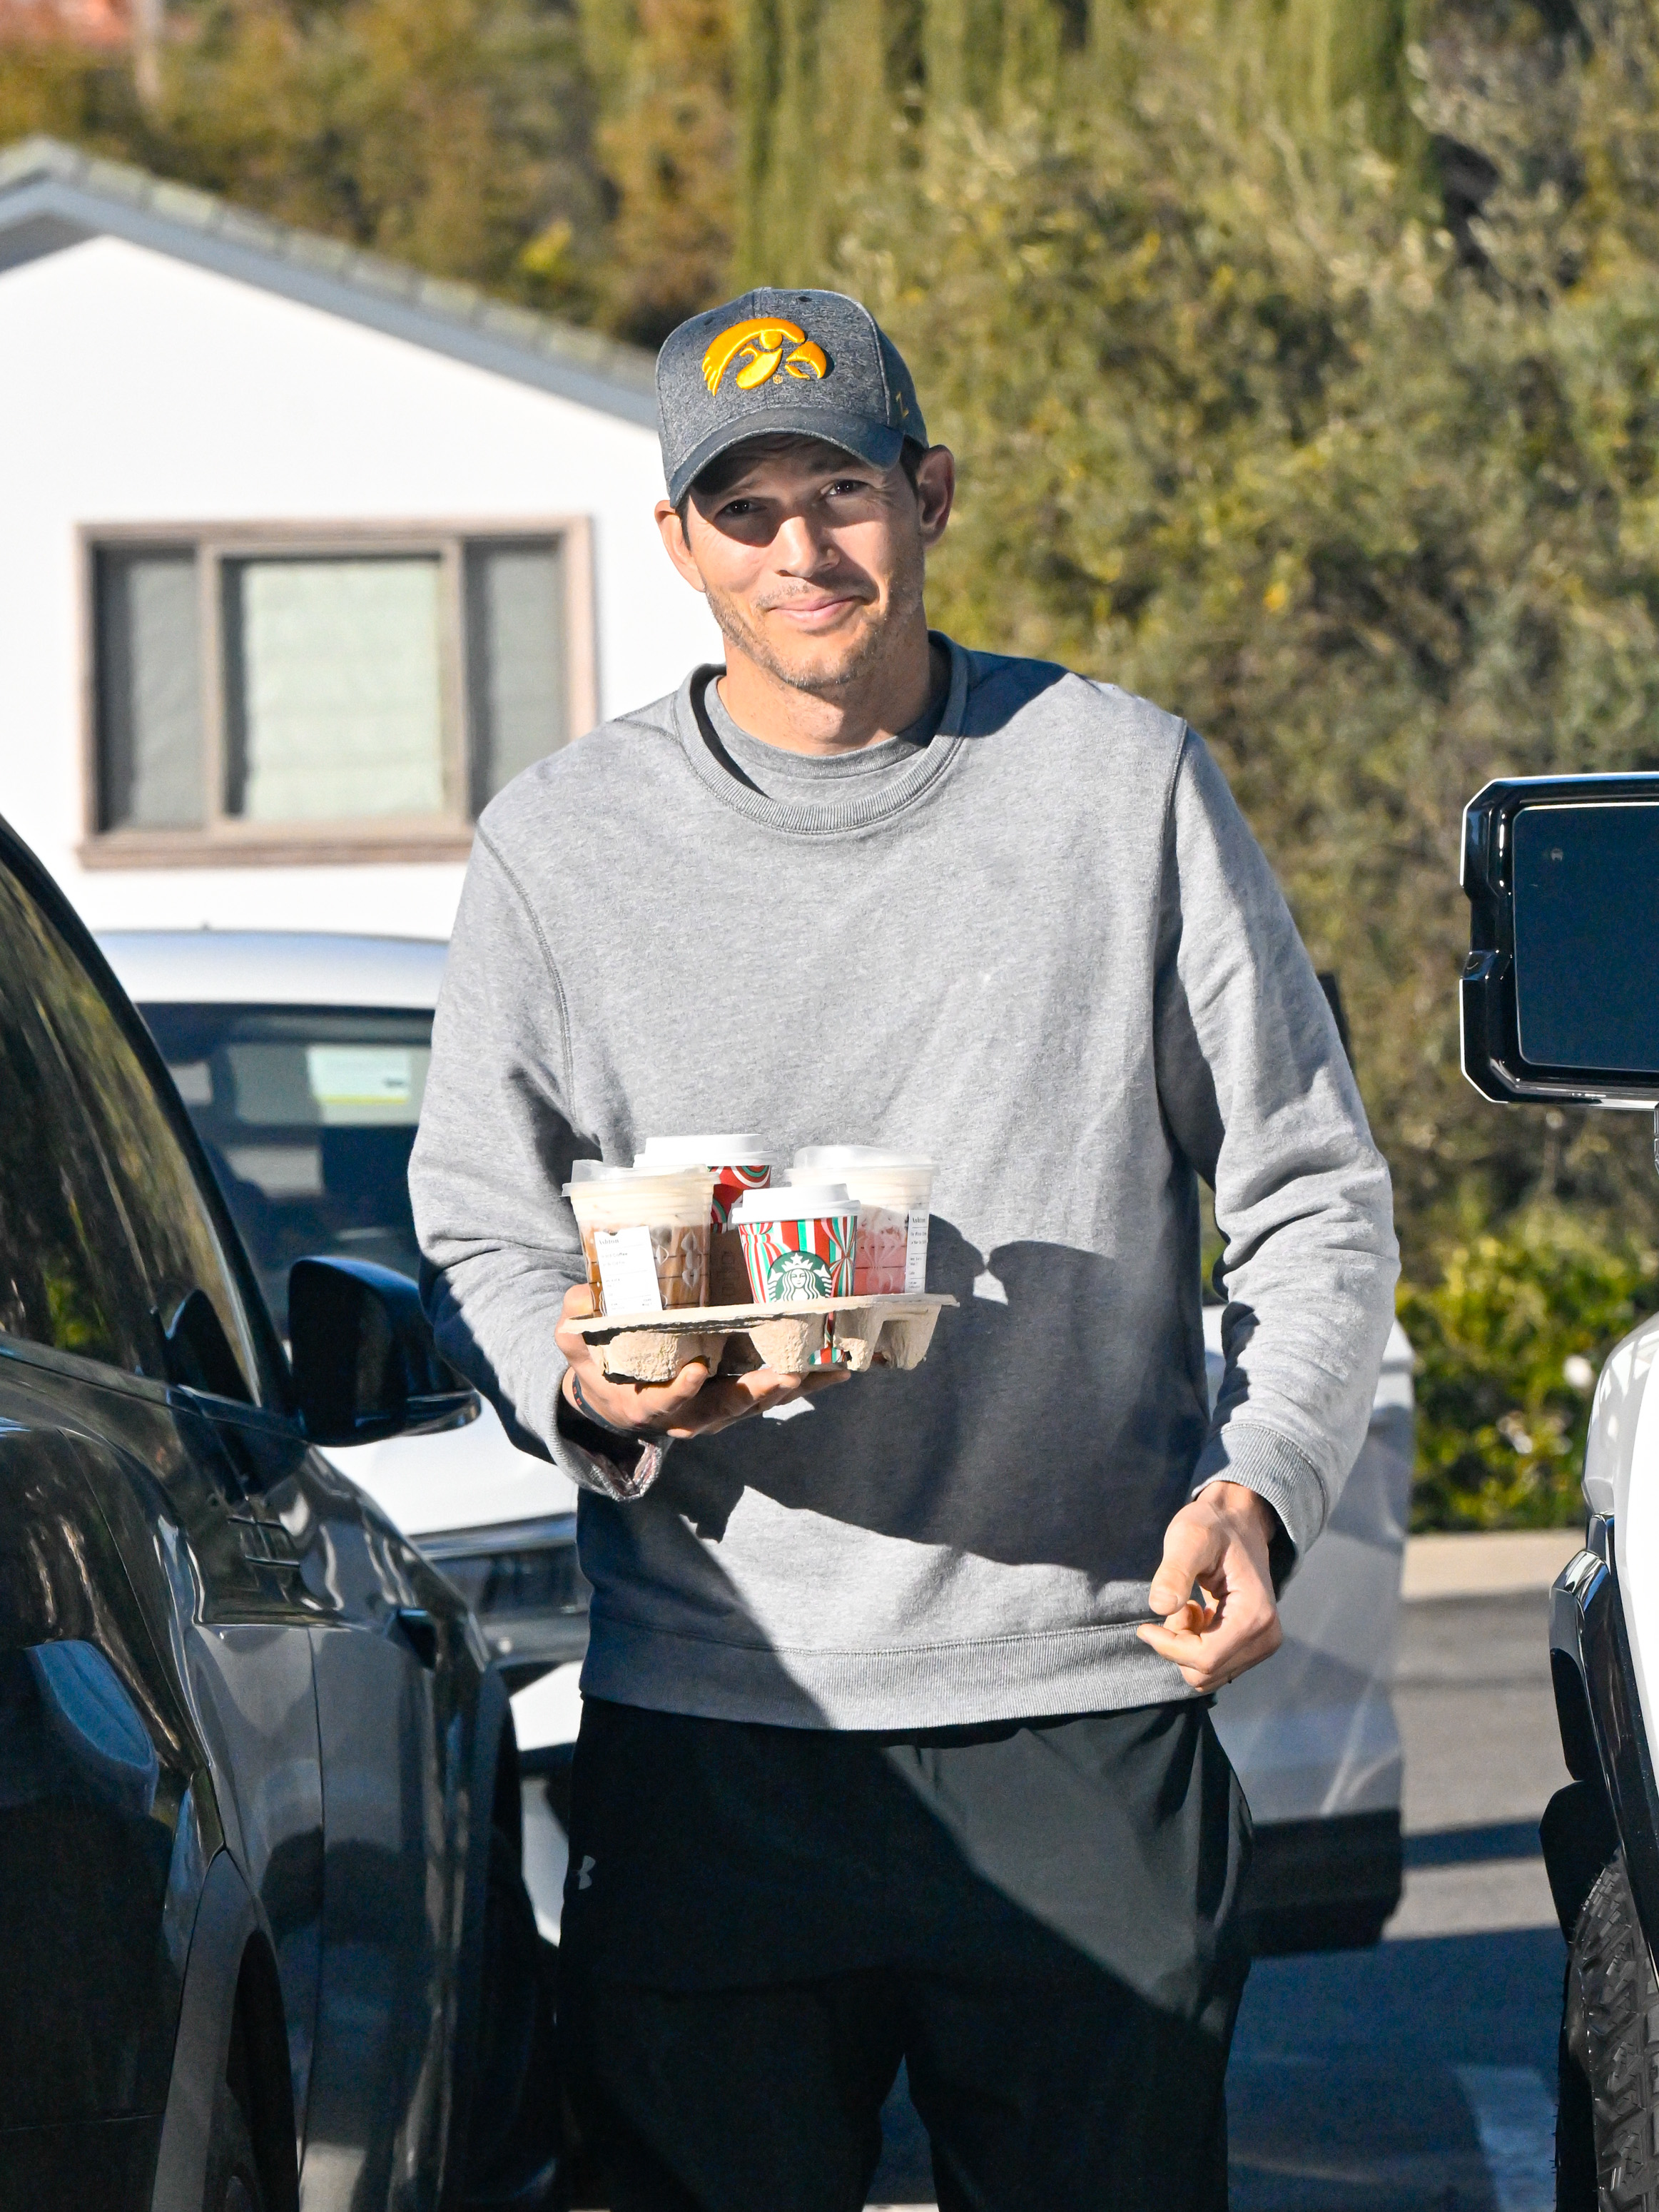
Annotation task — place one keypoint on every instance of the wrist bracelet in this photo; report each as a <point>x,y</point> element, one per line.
<point>634,1436</point>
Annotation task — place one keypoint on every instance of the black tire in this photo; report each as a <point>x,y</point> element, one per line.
<point>234,2180</point>
<point>1610,2037</point>
<point>1575,2122</point>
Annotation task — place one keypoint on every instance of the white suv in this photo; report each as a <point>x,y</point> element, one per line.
<point>302,1060</point>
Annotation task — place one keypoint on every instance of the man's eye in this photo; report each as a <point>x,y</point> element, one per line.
<point>740,507</point>
<point>848,483</point>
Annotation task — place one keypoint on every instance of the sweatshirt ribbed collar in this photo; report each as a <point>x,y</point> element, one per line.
<point>831,796</point>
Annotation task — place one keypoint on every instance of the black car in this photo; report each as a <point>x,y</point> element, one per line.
<point>261,1918</point>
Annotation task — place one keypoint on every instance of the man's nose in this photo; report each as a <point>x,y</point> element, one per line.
<point>798,550</point>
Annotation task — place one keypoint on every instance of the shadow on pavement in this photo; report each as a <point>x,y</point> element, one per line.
<point>1345,2094</point>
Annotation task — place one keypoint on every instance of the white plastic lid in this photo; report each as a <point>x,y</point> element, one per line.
<point>588,1172</point>
<point>741,1151</point>
<point>794,1202</point>
<point>830,1159</point>
<point>593,1171</point>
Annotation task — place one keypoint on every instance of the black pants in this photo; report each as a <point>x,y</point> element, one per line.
<point>1039,1918</point>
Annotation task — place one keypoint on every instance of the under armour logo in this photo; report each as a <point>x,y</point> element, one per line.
<point>585,1875</point>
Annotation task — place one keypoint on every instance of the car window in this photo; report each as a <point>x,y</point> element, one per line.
<point>170,1229</point>
<point>307,1115</point>
<point>69,1276</point>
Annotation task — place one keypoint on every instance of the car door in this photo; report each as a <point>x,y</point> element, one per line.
<point>181,1470</point>
<point>99,1831</point>
<point>322,1655</point>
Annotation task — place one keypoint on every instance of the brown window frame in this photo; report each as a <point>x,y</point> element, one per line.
<point>226,840</point>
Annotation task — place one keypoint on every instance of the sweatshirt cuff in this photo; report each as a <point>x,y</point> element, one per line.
<point>1270,1464</point>
<point>619,1467</point>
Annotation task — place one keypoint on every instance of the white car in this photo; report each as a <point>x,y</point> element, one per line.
<point>302,1060</point>
<point>1559,1007</point>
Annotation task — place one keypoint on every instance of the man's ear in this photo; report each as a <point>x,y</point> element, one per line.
<point>677,543</point>
<point>936,491</point>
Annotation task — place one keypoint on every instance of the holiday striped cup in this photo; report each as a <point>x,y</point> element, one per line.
<point>797,1242</point>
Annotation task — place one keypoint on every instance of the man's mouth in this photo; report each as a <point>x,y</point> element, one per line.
<point>819,612</point>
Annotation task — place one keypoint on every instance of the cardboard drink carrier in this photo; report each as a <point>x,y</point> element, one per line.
<point>797,1245</point>
<point>792,1340</point>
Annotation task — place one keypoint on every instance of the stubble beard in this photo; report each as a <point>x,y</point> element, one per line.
<point>865,652</point>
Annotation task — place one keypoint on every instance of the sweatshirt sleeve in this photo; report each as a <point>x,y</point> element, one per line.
<point>491,1155</point>
<point>1260,1096</point>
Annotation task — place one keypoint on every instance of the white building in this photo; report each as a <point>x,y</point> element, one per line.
<point>301,556</point>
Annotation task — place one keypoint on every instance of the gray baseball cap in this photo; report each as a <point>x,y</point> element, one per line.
<point>810,363</point>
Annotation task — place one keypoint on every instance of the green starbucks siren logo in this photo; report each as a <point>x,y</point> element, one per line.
<point>798,1275</point>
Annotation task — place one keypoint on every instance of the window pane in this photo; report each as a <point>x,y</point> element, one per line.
<point>334,689</point>
<point>309,1117</point>
<point>149,690</point>
<point>1586,935</point>
<point>516,658</point>
<point>177,1244</point>
<point>68,1278</point>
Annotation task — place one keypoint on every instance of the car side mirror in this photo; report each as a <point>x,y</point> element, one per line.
<point>365,1365</point>
<point>1558,997</point>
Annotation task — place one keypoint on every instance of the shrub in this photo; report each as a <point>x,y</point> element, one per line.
<point>1509,1342</point>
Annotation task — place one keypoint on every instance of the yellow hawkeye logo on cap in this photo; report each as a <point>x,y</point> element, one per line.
<point>760,345</point>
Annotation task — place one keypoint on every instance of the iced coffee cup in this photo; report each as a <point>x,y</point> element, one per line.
<point>645,1234</point>
<point>893,1192</point>
<point>797,1242</point>
<point>738,1161</point>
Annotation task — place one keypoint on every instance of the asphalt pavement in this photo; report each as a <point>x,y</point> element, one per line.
<point>1418,2076</point>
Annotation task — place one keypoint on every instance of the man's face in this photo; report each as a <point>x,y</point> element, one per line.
<point>811,560</point>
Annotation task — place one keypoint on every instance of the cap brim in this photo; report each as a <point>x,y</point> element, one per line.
<point>873,442</point>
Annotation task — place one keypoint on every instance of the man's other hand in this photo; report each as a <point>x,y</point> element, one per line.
<point>1220,1543</point>
<point>693,1405</point>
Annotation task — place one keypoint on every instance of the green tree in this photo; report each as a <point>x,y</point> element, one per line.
<point>666,148</point>
<point>840,98</point>
<point>49,84</point>
<point>445,132</point>
<point>1241,429</point>
<point>452,134</point>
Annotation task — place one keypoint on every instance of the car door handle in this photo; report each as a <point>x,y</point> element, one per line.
<point>420,1632</point>
<point>265,1546</point>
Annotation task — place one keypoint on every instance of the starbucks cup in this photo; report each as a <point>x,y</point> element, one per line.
<point>893,1192</point>
<point>738,1163</point>
<point>645,1234</point>
<point>797,1241</point>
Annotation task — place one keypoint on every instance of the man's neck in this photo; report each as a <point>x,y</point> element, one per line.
<point>885,700</point>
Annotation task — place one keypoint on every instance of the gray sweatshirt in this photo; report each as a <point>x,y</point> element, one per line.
<point>1040,947</point>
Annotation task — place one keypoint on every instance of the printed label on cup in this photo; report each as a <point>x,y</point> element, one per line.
<point>798,1275</point>
<point>915,1250</point>
<point>628,1270</point>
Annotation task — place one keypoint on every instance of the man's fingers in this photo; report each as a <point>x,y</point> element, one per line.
<point>1192,1550</point>
<point>824,1378</point>
<point>728,1398</point>
<point>651,1404</point>
<point>646,1408</point>
<point>1189,1619</point>
<point>1248,1633</point>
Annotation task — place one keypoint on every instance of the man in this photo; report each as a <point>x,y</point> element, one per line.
<point>896,1740</point>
